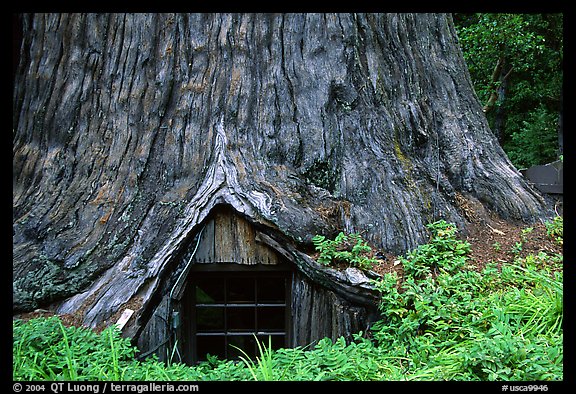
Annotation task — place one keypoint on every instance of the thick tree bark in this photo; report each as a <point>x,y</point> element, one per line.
<point>129,129</point>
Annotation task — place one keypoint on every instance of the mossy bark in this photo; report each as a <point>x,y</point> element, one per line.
<point>130,128</point>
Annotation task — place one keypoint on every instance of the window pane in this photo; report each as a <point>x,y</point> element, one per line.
<point>271,290</point>
<point>271,318</point>
<point>277,341</point>
<point>241,318</point>
<point>209,318</point>
<point>245,342</point>
<point>241,290</point>
<point>227,311</point>
<point>210,291</point>
<point>214,345</point>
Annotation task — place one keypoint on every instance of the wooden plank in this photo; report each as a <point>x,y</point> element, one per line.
<point>235,241</point>
<point>265,255</point>
<point>228,238</point>
<point>318,312</point>
<point>218,222</point>
<point>126,315</point>
<point>273,247</point>
<point>205,252</point>
<point>316,318</point>
<point>300,303</point>
<point>340,319</point>
<point>245,239</point>
<point>223,238</point>
<point>155,332</point>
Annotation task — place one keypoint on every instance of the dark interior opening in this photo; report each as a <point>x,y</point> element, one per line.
<point>228,306</point>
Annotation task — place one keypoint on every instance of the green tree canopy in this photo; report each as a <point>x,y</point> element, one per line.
<point>515,61</point>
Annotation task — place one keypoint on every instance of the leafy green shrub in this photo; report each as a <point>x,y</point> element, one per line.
<point>443,252</point>
<point>458,324</point>
<point>461,324</point>
<point>347,249</point>
<point>535,139</point>
<point>42,352</point>
<point>528,88</point>
<point>555,229</point>
<point>338,361</point>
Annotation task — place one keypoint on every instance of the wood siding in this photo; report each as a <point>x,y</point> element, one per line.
<point>315,311</point>
<point>230,238</point>
<point>318,312</point>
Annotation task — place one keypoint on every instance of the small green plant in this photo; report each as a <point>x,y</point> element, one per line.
<point>555,229</point>
<point>517,248</point>
<point>440,320</point>
<point>69,355</point>
<point>350,249</point>
<point>525,232</point>
<point>46,349</point>
<point>519,245</point>
<point>497,247</point>
<point>443,252</point>
<point>499,324</point>
<point>263,368</point>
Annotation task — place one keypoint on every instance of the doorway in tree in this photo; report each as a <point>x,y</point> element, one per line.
<point>228,306</point>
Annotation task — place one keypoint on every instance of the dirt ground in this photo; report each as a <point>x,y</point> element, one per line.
<point>497,241</point>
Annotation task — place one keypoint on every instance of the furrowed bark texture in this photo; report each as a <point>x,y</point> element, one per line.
<point>129,129</point>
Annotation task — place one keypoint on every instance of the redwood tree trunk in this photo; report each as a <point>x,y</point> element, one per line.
<point>129,129</point>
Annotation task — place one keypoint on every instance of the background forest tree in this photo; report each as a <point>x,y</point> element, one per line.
<point>515,61</point>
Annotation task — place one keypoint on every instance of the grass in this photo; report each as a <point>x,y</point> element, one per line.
<point>454,323</point>
<point>263,368</point>
<point>441,321</point>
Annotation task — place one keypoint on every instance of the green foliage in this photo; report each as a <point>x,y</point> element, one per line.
<point>441,321</point>
<point>45,349</point>
<point>350,249</point>
<point>555,229</point>
<point>40,353</point>
<point>263,368</point>
<point>485,38</point>
<point>443,252</point>
<point>530,48</point>
<point>533,139</point>
<point>468,325</point>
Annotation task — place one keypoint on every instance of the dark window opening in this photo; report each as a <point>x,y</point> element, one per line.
<point>227,309</point>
